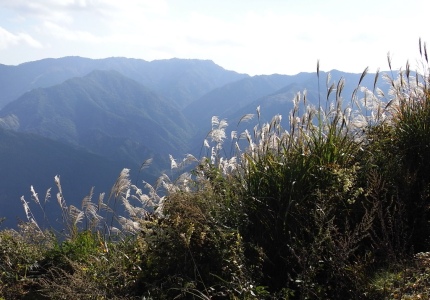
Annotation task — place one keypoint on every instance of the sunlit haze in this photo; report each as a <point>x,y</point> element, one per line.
<point>254,37</point>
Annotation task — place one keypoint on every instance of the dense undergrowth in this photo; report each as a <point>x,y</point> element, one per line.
<point>332,205</point>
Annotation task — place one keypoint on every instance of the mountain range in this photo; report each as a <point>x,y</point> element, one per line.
<point>86,119</point>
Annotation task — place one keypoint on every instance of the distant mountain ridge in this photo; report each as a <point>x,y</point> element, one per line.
<point>181,80</point>
<point>225,100</point>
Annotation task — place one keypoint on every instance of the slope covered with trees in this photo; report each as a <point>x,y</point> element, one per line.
<point>105,113</point>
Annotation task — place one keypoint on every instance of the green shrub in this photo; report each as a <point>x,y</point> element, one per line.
<point>191,251</point>
<point>90,268</point>
<point>21,253</point>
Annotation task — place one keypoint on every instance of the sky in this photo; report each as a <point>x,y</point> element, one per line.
<point>248,36</point>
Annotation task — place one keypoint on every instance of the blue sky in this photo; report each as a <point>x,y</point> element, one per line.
<point>254,37</point>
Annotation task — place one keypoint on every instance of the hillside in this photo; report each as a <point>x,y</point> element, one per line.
<point>229,98</point>
<point>105,113</point>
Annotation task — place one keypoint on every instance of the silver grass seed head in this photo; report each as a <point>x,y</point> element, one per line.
<point>47,195</point>
<point>173,164</point>
<point>218,135</point>
<point>34,195</point>
<point>246,118</point>
<point>233,135</point>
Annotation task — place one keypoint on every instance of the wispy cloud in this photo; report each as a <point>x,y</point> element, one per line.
<point>8,39</point>
<point>62,32</point>
<point>55,9</point>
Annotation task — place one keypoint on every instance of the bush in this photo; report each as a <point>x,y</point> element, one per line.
<point>21,253</point>
<point>90,268</point>
<point>191,251</point>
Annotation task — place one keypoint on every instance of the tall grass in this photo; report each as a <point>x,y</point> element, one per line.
<point>405,141</point>
<point>301,193</point>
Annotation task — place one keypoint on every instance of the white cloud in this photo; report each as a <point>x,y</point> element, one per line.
<point>29,40</point>
<point>63,33</point>
<point>61,11</point>
<point>8,39</point>
<point>39,7</point>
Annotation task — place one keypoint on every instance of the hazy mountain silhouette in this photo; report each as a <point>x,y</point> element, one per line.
<point>180,80</point>
<point>231,97</point>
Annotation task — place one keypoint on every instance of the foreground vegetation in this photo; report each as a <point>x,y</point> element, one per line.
<point>334,205</point>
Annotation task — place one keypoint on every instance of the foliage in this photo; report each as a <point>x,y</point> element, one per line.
<point>21,253</point>
<point>407,280</point>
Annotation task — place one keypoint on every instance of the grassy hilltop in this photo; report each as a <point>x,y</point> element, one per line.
<point>328,202</point>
